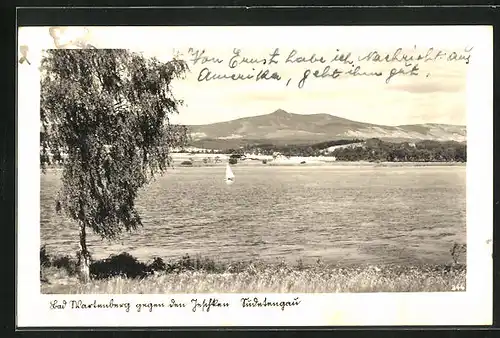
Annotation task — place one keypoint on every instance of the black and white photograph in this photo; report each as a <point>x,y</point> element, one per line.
<point>210,164</point>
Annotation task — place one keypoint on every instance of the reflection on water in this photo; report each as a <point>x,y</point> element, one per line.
<point>339,214</point>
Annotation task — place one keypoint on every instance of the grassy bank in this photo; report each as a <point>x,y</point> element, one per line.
<point>125,274</point>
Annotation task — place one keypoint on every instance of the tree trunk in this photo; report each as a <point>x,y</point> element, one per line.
<point>84,259</point>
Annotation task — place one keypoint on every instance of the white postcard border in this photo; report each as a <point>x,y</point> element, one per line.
<point>473,307</point>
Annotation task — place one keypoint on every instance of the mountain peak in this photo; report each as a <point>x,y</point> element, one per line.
<point>280,112</point>
<point>282,126</point>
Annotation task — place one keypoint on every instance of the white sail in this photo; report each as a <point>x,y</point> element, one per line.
<point>229,175</point>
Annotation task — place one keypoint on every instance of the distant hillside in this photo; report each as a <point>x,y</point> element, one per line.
<point>281,127</point>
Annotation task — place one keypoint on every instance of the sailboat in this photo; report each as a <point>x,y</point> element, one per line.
<point>229,175</point>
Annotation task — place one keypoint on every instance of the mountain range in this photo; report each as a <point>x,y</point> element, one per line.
<point>281,127</point>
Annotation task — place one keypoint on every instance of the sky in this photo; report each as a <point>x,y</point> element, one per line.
<point>439,98</point>
<point>436,95</point>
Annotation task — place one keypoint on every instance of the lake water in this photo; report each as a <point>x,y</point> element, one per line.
<point>341,214</point>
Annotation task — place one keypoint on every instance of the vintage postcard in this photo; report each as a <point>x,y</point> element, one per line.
<point>254,176</point>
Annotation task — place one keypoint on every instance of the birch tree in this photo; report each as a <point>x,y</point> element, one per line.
<point>108,112</point>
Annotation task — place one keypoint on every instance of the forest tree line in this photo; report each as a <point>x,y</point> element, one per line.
<point>423,151</point>
<point>369,150</point>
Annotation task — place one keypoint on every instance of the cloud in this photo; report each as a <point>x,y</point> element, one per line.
<point>439,77</point>
<point>430,87</point>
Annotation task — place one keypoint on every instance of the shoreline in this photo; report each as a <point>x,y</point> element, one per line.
<point>316,163</point>
<point>253,163</point>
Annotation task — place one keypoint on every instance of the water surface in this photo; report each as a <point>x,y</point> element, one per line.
<point>342,214</point>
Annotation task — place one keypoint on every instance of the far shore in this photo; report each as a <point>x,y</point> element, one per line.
<point>334,164</point>
<point>201,160</point>
<point>312,163</point>
<point>327,164</point>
